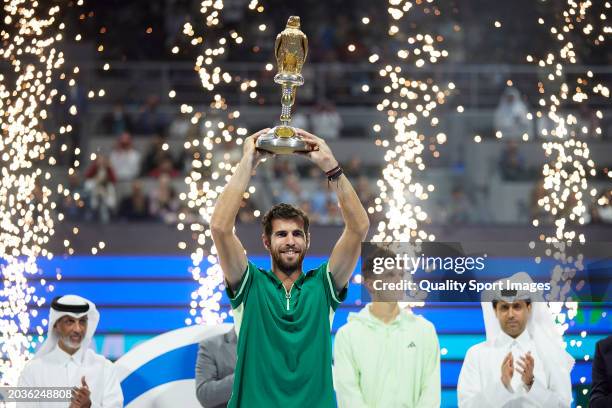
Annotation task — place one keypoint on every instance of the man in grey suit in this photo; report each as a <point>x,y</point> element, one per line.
<point>215,369</point>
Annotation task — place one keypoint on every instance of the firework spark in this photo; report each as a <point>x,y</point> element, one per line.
<point>213,150</point>
<point>29,37</point>
<point>410,106</point>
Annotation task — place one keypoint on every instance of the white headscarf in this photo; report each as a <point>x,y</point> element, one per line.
<point>541,326</point>
<point>77,307</point>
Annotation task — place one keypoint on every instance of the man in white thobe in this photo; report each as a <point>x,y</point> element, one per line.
<point>523,362</point>
<point>65,359</point>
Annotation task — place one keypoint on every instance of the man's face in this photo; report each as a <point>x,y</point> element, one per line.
<point>287,244</point>
<point>71,331</point>
<point>513,317</point>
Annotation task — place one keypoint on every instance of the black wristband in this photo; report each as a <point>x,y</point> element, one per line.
<point>334,174</point>
<point>332,171</point>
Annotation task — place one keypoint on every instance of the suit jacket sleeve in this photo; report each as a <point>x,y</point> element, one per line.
<point>210,389</point>
<point>601,394</point>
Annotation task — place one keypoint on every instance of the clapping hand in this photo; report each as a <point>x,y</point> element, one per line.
<point>81,396</point>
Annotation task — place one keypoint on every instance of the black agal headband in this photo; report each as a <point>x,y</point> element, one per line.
<point>60,307</point>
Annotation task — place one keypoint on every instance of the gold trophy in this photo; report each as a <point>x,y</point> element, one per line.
<point>290,49</point>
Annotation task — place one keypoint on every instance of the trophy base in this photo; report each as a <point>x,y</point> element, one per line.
<point>281,140</point>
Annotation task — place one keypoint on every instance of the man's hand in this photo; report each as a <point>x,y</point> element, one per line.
<point>525,369</point>
<point>81,396</point>
<point>249,150</point>
<point>319,153</point>
<point>507,370</point>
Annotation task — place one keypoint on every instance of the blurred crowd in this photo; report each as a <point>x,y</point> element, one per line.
<point>132,184</point>
<point>145,183</point>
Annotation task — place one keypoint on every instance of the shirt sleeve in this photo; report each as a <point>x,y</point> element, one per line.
<point>346,373</point>
<point>431,389</point>
<point>334,296</point>
<point>26,379</point>
<point>211,390</point>
<point>113,395</point>
<point>557,395</point>
<point>601,394</point>
<point>236,299</point>
<point>471,394</point>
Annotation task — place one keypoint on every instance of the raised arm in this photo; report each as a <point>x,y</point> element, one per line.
<point>346,252</point>
<point>232,257</point>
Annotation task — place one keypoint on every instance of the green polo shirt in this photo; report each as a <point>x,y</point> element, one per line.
<point>284,340</point>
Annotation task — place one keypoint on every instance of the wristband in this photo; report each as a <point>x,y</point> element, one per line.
<point>334,174</point>
<point>332,171</point>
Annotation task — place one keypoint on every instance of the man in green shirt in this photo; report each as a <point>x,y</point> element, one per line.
<point>283,316</point>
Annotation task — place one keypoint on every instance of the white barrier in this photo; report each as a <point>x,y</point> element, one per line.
<point>160,373</point>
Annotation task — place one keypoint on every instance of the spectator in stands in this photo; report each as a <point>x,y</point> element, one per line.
<point>364,191</point>
<point>459,209</point>
<point>326,121</point>
<point>117,121</point>
<point>332,215</point>
<point>166,166</point>
<point>319,199</point>
<point>73,205</point>
<point>292,193</point>
<point>300,120</point>
<point>150,118</point>
<point>164,201</point>
<point>135,207</point>
<point>511,115</point>
<point>354,167</point>
<point>100,189</point>
<point>307,208</point>
<point>537,211</point>
<point>124,159</point>
<point>281,168</point>
<point>156,153</point>
<point>246,214</point>
<point>179,127</point>
<point>602,211</point>
<point>511,163</point>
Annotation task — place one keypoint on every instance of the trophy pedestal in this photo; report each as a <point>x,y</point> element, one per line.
<point>281,140</point>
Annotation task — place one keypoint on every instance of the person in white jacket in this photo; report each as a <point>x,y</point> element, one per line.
<point>523,362</point>
<point>65,359</point>
<point>385,356</point>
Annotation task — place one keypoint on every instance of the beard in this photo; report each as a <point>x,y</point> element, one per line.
<point>287,267</point>
<point>68,342</point>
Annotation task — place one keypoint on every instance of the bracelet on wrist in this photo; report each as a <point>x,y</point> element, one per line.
<point>328,172</point>
<point>334,174</point>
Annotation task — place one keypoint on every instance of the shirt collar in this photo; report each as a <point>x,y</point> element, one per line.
<point>61,357</point>
<point>523,340</point>
<point>298,282</point>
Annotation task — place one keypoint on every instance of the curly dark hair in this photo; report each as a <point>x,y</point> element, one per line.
<point>285,212</point>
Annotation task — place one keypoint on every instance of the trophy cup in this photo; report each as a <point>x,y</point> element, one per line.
<point>290,49</point>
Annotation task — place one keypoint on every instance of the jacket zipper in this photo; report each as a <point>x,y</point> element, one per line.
<point>288,294</point>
